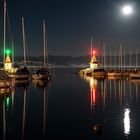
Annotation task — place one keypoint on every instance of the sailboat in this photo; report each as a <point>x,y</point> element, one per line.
<point>23,73</point>
<point>5,79</point>
<point>43,73</point>
<point>136,73</point>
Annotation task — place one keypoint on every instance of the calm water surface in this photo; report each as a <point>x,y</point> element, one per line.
<point>71,107</point>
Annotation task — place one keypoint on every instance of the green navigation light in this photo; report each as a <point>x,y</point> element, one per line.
<point>8,51</point>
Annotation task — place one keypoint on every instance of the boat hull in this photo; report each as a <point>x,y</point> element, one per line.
<point>40,77</point>
<point>40,83</point>
<point>21,77</point>
<point>5,83</point>
<point>94,74</point>
<point>134,75</point>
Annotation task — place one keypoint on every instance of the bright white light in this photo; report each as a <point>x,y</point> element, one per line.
<point>126,121</point>
<point>127,10</point>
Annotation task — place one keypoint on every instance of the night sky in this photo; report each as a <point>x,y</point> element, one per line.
<point>70,24</point>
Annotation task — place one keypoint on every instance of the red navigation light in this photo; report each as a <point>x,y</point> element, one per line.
<point>94,52</point>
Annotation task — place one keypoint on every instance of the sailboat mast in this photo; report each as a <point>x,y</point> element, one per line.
<point>47,51</point>
<point>110,58</point>
<point>124,59</point>
<point>136,59</point>
<point>4,43</point>
<point>120,57</point>
<point>12,51</point>
<point>115,59</point>
<point>44,43</point>
<point>130,58</point>
<point>23,31</point>
<point>24,112</point>
<point>91,47</point>
<point>104,55</point>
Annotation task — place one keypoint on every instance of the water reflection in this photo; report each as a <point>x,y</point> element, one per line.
<point>126,121</point>
<point>45,106</point>
<point>96,100</point>
<point>40,83</point>
<point>24,85</point>
<point>24,111</point>
<point>6,100</point>
<point>45,84</point>
<point>118,93</point>
<point>99,108</point>
<point>21,83</point>
<point>17,102</point>
<point>92,84</point>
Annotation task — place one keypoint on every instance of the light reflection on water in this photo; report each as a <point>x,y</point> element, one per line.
<point>126,121</point>
<point>93,85</point>
<point>70,107</point>
<point>17,101</point>
<point>105,92</point>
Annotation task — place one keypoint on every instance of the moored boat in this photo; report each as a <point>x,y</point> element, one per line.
<point>99,73</point>
<point>40,83</point>
<point>21,83</point>
<point>45,72</point>
<point>110,73</point>
<point>22,73</point>
<point>42,74</point>
<point>5,79</point>
<point>134,75</point>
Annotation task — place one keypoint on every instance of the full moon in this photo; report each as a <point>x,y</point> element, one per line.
<point>127,10</point>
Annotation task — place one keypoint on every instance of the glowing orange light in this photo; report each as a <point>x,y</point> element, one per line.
<point>94,96</point>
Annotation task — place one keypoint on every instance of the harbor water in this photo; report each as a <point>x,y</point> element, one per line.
<point>70,107</point>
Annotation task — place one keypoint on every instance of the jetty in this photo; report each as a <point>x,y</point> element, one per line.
<point>94,69</point>
<point>100,71</point>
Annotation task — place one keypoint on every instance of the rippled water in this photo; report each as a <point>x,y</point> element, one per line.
<point>71,107</point>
